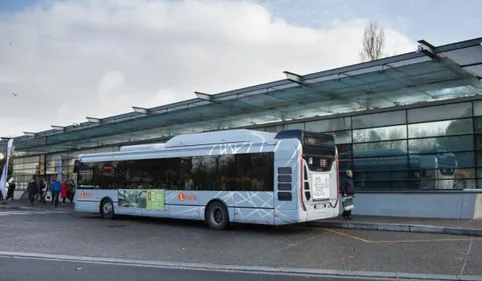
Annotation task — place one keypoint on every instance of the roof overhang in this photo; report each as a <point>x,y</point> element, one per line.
<point>428,73</point>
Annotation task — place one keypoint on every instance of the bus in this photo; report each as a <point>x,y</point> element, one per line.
<point>431,169</point>
<point>221,177</point>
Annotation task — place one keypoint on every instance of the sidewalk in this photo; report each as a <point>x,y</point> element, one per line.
<point>404,224</point>
<point>23,204</point>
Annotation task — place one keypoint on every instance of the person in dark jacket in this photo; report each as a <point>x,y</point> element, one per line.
<point>11,190</point>
<point>32,191</point>
<point>347,191</point>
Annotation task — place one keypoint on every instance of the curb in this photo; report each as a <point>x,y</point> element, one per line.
<point>15,207</point>
<point>400,228</point>
<point>27,208</point>
<point>280,271</point>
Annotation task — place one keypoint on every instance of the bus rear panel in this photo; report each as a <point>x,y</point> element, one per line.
<point>318,190</point>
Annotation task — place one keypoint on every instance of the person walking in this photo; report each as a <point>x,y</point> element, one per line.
<point>348,192</point>
<point>11,189</point>
<point>43,190</point>
<point>71,190</point>
<point>32,191</point>
<point>55,187</point>
<point>63,191</point>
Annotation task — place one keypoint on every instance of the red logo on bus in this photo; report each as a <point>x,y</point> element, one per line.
<point>183,196</point>
<point>84,194</point>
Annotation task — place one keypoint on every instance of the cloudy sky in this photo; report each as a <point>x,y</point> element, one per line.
<point>63,60</point>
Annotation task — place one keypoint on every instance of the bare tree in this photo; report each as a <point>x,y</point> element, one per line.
<point>373,42</point>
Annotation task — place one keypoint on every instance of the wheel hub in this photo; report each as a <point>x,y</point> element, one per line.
<point>107,208</point>
<point>218,215</point>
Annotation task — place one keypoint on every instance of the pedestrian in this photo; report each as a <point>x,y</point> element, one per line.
<point>55,187</point>
<point>11,189</point>
<point>71,191</point>
<point>43,190</point>
<point>348,192</point>
<point>32,191</point>
<point>63,191</point>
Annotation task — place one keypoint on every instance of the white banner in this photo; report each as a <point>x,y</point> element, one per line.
<point>3,179</point>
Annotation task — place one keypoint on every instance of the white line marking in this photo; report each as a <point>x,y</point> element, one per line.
<point>466,256</point>
<point>280,271</point>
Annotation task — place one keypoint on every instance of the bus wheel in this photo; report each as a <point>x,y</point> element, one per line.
<point>107,209</point>
<point>217,216</point>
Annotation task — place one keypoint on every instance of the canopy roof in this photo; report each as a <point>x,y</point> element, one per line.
<point>428,73</point>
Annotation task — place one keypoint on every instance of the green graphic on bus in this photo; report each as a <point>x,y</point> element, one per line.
<point>155,199</point>
<point>152,199</point>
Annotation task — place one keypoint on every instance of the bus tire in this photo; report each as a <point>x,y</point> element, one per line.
<point>107,209</point>
<point>217,216</point>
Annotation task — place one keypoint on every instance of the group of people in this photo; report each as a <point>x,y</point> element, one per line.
<point>42,191</point>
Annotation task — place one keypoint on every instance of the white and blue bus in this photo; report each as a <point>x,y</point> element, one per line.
<point>223,177</point>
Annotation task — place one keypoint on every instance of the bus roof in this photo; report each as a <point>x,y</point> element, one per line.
<point>197,139</point>
<point>142,147</point>
<point>220,137</point>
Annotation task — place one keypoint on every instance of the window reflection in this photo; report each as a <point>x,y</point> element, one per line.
<point>379,134</point>
<point>296,126</point>
<point>433,113</point>
<point>464,159</point>
<point>478,108</point>
<point>342,137</point>
<point>274,129</point>
<point>458,143</point>
<point>478,124</point>
<point>379,119</point>
<point>380,163</point>
<point>384,147</point>
<point>465,178</point>
<point>338,124</point>
<point>440,128</point>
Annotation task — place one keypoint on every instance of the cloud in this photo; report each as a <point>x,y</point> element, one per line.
<point>71,59</point>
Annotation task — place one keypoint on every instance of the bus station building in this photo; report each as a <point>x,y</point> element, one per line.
<point>424,103</point>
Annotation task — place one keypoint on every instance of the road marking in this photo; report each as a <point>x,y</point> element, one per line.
<point>348,235</point>
<point>466,257</point>
<point>425,240</point>
<point>291,245</point>
<point>403,241</point>
<point>276,271</point>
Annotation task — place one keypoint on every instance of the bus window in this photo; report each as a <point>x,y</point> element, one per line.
<point>319,151</point>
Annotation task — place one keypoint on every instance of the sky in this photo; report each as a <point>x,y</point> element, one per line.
<point>63,60</point>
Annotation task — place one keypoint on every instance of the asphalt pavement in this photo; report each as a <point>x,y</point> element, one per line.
<point>34,269</point>
<point>281,247</point>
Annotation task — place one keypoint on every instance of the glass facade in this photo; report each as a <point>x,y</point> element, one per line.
<point>48,166</point>
<point>427,148</point>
